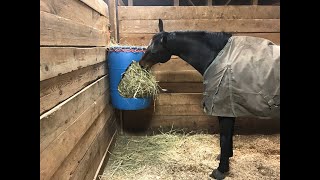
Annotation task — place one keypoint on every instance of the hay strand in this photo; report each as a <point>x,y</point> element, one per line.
<point>181,155</point>
<point>137,82</point>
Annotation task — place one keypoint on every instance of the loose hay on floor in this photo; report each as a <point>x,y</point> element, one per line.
<point>182,156</point>
<point>137,82</point>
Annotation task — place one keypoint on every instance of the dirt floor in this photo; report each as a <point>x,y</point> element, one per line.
<point>172,156</point>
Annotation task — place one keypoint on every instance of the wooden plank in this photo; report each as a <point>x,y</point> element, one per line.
<point>58,31</point>
<point>144,39</point>
<point>52,157</point>
<point>135,121</point>
<point>114,20</point>
<point>182,87</point>
<point>130,2</point>
<point>71,162</point>
<point>198,12</point>
<point>98,5</point>
<point>76,11</point>
<point>227,25</point>
<point>55,90</point>
<point>91,174</point>
<point>141,120</point>
<point>105,158</point>
<point>174,110</point>
<point>96,149</point>
<point>191,122</point>
<point>58,119</point>
<point>179,99</point>
<point>182,76</point>
<point>179,110</point>
<point>55,61</point>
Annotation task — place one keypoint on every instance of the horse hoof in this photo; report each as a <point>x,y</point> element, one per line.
<point>218,157</point>
<point>216,174</point>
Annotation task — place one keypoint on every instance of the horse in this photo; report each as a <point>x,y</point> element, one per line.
<point>201,49</point>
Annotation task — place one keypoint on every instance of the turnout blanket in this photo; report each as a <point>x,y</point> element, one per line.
<point>244,79</point>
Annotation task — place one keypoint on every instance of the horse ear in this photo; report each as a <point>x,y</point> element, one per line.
<point>160,25</point>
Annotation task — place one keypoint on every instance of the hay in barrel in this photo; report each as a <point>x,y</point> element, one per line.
<point>137,82</point>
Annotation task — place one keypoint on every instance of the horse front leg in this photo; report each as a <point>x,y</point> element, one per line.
<point>226,127</point>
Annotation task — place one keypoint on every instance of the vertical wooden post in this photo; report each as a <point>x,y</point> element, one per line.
<point>209,2</point>
<point>176,3</point>
<point>130,2</point>
<point>113,13</point>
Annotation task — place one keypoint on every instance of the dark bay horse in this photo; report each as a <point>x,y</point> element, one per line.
<point>199,49</point>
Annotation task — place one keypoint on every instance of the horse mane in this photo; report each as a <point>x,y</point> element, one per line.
<point>211,38</point>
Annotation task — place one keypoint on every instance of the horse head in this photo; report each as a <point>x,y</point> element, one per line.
<point>157,51</point>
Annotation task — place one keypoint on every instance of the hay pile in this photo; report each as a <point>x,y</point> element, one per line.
<point>183,156</point>
<point>137,82</point>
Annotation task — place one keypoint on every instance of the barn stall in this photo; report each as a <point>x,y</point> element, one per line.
<point>82,135</point>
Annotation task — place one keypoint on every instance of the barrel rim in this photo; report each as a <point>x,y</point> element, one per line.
<point>128,47</point>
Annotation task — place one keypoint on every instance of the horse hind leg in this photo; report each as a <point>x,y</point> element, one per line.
<point>226,127</point>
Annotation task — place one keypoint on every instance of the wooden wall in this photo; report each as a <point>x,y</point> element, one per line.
<point>77,122</point>
<point>181,107</point>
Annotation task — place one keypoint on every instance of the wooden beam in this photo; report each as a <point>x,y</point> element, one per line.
<point>114,20</point>
<point>209,2</point>
<point>71,162</point>
<point>130,2</point>
<point>58,119</point>
<point>182,76</point>
<point>58,31</point>
<point>98,5</point>
<point>181,110</point>
<point>52,157</point>
<point>198,12</point>
<point>136,120</point>
<point>56,61</point>
<point>55,90</point>
<point>179,99</point>
<point>227,25</point>
<point>182,87</point>
<point>76,11</point>
<point>176,2</point>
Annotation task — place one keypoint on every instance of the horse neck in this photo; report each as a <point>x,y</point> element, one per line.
<point>198,50</point>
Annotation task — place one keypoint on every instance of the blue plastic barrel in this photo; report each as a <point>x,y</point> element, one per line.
<point>119,59</point>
